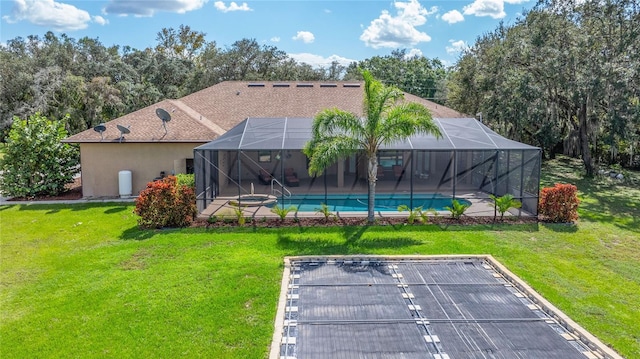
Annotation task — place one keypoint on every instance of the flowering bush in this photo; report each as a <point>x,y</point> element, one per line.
<point>559,203</point>
<point>164,203</point>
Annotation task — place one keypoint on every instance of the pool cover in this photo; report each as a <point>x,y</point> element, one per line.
<point>441,308</point>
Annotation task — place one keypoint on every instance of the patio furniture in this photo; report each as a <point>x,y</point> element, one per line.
<point>422,175</point>
<point>397,171</point>
<point>380,173</point>
<point>291,178</point>
<point>265,177</point>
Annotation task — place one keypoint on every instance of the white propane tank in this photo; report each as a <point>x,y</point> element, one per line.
<point>124,183</point>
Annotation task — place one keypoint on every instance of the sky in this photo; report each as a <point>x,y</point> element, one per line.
<point>313,31</point>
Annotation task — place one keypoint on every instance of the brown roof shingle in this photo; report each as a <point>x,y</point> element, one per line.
<point>207,114</point>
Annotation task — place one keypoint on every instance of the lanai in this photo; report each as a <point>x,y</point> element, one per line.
<point>260,154</point>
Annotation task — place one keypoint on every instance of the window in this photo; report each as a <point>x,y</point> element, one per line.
<point>264,156</point>
<point>388,159</point>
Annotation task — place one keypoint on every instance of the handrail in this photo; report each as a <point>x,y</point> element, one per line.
<point>284,191</point>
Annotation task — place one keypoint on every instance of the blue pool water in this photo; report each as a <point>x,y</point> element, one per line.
<point>358,202</point>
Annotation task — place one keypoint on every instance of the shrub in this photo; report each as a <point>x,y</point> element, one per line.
<point>504,203</point>
<point>282,212</point>
<point>559,203</point>
<point>188,180</point>
<point>240,218</point>
<point>424,215</point>
<point>457,209</point>
<point>326,212</point>
<point>35,162</point>
<point>414,214</point>
<point>166,204</point>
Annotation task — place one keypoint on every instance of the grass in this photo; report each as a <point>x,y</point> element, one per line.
<point>84,281</point>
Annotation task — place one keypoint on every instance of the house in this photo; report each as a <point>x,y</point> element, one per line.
<point>147,146</point>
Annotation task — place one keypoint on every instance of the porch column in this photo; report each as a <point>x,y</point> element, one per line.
<point>340,173</point>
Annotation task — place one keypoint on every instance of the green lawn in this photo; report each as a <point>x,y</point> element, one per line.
<point>83,281</point>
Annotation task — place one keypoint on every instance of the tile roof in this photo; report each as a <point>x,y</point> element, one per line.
<point>144,125</point>
<point>207,114</point>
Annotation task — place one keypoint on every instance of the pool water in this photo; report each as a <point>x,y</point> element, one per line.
<point>358,202</point>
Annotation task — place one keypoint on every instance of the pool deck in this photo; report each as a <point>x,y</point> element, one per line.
<point>480,207</point>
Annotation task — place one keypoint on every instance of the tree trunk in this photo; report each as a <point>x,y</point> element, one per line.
<point>372,178</point>
<point>585,150</point>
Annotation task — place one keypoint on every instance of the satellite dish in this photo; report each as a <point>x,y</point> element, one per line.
<point>164,116</point>
<point>123,131</point>
<point>100,129</point>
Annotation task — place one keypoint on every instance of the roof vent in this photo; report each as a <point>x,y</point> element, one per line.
<point>255,85</point>
<point>350,85</point>
<point>328,85</point>
<point>280,85</point>
<point>304,85</point>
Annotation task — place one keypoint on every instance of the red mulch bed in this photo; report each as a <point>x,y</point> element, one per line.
<point>350,221</point>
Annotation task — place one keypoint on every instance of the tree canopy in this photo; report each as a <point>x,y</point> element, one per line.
<point>565,77</point>
<point>416,75</point>
<point>59,75</point>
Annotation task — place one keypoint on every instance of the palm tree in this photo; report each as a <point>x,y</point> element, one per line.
<point>387,119</point>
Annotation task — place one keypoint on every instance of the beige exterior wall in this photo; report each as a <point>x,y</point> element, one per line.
<point>101,163</point>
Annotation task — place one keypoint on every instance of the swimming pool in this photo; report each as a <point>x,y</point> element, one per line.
<point>358,202</point>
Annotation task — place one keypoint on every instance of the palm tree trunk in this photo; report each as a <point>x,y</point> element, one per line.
<point>372,178</point>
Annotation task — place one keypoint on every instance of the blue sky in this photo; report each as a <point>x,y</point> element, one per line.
<point>311,31</point>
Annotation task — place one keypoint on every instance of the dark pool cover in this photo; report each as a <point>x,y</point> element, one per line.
<point>415,309</point>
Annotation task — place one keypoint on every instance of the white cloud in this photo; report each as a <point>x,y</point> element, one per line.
<point>275,39</point>
<point>49,13</point>
<point>456,47</point>
<point>413,53</point>
<point>149,8</point>
<point>492,8</point>
<point>320,61</point>
<point>399,30</point>
<point>220,5</point>
<point>100,20</point>
<point>453,16</point>
<point>305,36</point>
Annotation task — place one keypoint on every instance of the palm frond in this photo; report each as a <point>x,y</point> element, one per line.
<point>405,120</point>
<point>325,151</point>
<point>377,101</point>
<point>335,121</point>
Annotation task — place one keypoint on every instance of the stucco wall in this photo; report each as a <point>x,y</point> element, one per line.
<point>101,163</point>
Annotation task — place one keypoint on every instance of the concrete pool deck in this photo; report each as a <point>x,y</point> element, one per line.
<point>480,207</point>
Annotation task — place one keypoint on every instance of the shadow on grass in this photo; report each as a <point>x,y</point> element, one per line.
<point>55,208</point>
<point>352,234</point>
<point>116,209</point>
<point>307,246</point>
<point>136,234</point>
<point>561,227</point>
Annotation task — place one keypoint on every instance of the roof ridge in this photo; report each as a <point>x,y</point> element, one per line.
<point>195,115</point>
